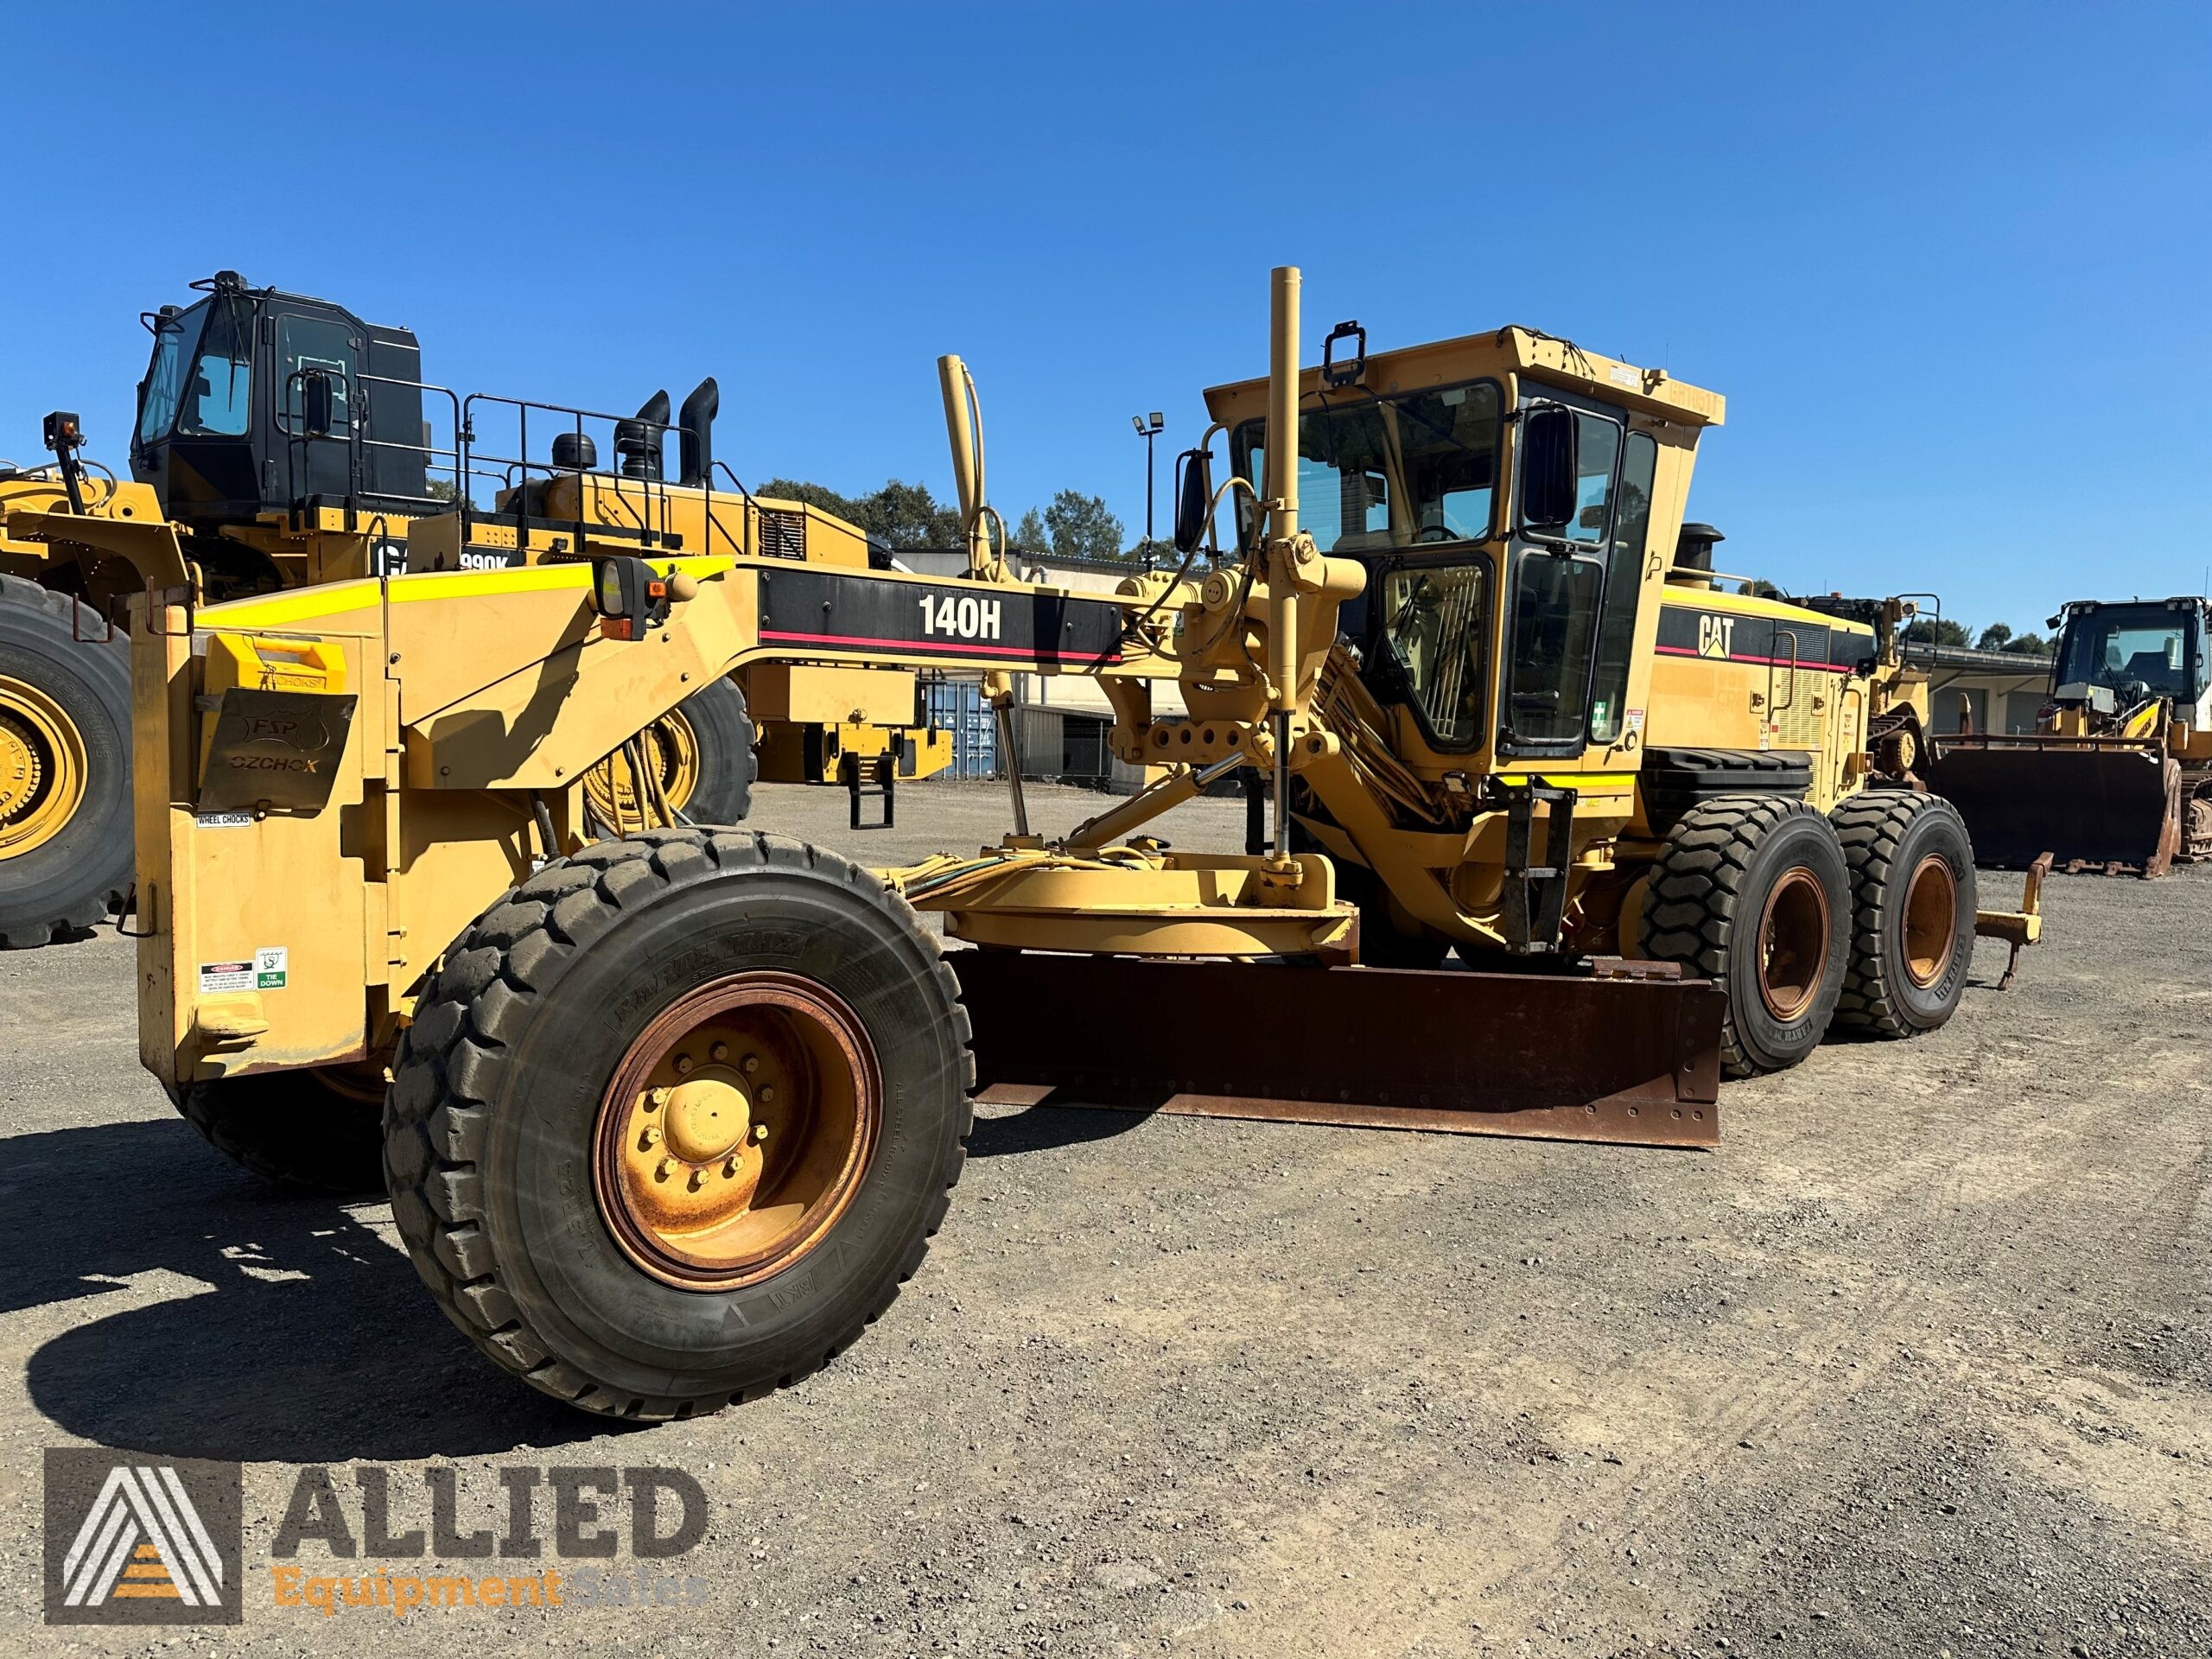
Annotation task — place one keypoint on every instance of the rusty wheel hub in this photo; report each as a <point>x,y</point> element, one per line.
<point>736,1130</point>
<point>1793,943</point>
<point>1931,920</point>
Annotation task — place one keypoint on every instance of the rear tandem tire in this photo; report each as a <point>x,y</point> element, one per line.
<point>57,880</point>
<point>1912,911</point>
<point>1753,894</point>
<point>525,1194</point>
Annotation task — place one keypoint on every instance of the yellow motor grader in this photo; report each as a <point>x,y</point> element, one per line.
<point>259,504</point>
<point>671,1116</point>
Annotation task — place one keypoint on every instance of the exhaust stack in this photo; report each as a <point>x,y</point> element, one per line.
<point>696,434</point>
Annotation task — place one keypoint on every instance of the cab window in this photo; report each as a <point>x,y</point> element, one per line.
<point>1432,618</point>
<point>218,399</point>
<point>1624,587</point>
<point>1554,624</point>
<point>304,343</point>
<point>1380,474</point>
<point>176,342</point>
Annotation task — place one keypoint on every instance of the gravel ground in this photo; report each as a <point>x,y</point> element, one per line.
<point>1916,1364</point>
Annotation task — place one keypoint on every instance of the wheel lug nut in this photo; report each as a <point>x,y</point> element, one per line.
<point>719,1052</point>
<point>683,1064</point>
<point>751,1064</point>
<point>650,1138</point>
<point>759,1131</point>
<point>667,1168</point>
<point>767,1093</point>
<point>729,1169</point>
<point>655,1099</point>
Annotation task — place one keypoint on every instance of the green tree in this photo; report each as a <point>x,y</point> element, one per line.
<point>900,515</point>
<point>1030,535</point>
<point>1937,630</point>
<point>1082,528</point>
<point>1993,636</point>
<point>2026,645</point>
<point>814,495</point>
<point>907,515</point>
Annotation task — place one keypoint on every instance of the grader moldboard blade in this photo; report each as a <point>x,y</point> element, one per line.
<point>2092,803</point>
<point>1555,1056</point>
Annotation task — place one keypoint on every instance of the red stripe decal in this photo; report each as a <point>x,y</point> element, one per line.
<point>957,648</point>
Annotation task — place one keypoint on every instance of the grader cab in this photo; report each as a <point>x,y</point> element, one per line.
<point>670,1116</point>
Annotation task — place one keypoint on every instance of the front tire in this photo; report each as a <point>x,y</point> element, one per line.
<point>65,767</point>
<point>555,1137</point>
<point>1912,911</point>
<point>1753,894</point>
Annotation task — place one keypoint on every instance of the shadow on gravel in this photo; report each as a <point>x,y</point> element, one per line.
<point>1039,1128</point>
<point>312,1340</point>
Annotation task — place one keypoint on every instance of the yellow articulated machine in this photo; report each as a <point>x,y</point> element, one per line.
<point>671,1116</point>
<point>2117,776</point>
<point>234,494</point>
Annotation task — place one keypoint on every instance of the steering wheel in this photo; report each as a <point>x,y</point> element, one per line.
<point>1436,533</point>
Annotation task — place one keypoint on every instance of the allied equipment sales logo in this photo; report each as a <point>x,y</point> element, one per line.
<point>134,1539</point>
<point>137,1540</point>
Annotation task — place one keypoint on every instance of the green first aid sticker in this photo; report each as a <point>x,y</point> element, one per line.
<point>270,965</point>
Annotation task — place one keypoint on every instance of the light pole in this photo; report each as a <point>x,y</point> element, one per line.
<point>1148,428</point>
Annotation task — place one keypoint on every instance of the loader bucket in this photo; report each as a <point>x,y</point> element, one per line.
<point>1553,1057</point>
<point>2092,804</point>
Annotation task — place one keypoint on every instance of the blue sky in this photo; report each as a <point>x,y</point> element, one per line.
<point>1948,263</point>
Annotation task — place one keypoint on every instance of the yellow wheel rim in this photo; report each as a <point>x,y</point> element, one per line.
<point>671,749</point>
<point>42,768</point>
<point>736,1130</point>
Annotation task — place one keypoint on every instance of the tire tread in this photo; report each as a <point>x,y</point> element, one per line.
<point>449,1068</point>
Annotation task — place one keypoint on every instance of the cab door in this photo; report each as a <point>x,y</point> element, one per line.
<point>1557,573</point>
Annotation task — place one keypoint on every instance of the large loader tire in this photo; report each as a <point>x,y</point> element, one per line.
<point>1752,893</point>
<point>678,1117</point>
<point>1912,911</point>
<point>703,751</point>
<point>65,767</point>
<point>320,1131</point>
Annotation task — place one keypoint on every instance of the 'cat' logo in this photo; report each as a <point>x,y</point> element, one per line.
<point>1714,635</point>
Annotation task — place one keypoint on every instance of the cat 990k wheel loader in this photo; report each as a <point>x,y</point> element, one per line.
<point>231,495</point>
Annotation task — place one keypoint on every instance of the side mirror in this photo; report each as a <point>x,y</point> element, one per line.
<point>317,415</point>
<point>1549,434</point>
<point>1348,372</point>
<point>1193,498</point>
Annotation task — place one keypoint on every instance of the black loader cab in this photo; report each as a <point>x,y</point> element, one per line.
<point>232,424</point>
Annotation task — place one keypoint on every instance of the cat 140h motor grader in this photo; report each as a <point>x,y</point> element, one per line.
<point>670,1117</point>
<point>230,496</point>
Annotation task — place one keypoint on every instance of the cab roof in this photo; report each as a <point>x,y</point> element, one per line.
<point>1530,353</point>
